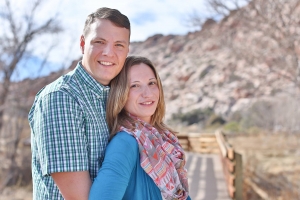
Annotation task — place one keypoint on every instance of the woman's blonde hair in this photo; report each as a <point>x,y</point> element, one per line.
<point>116,116</point>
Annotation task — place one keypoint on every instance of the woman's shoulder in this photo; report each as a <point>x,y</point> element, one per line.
<point>123,138</point>
<point>123,144</point>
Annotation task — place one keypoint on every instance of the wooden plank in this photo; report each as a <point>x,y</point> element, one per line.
<point>181,141</point>
<point>230,165</point>
<point>221,143</point>
<point>184,141</point>
<point>207,135</point>
<point>209,140</point>
<point>239,176</point>
<point>257,189</point>
<point>230,153</point>
<point>230,181</point>
<point>227,150</point>
<point>209,145</point>
<point>209,151</point>
<point>231,192</point>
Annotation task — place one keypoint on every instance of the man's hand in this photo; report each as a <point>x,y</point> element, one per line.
<point>73,185</point>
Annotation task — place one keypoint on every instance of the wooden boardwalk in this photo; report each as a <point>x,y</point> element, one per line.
<point>206,178</point>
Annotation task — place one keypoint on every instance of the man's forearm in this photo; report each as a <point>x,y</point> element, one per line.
<point>73,185</point>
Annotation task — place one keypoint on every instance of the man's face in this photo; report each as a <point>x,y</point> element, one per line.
<point>104,49</point>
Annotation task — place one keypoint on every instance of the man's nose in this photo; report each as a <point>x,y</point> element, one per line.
<point>108,50</point>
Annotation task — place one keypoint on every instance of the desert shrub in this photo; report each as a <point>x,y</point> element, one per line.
<point>248,85</point>
<point>233,77</point>
<point>206,71</point>
<point>287,114</point>
<point>232,127</point>
<point>259,114</point>
<point>215,120</point>
<point>193,117</point>
<point>279,114</point>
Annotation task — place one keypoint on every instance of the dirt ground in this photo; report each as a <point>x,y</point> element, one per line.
<point>16,193</point>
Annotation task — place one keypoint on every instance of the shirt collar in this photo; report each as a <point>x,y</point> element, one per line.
<point>97,88</point>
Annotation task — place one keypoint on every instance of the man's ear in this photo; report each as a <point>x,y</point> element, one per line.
<point>82,43</point>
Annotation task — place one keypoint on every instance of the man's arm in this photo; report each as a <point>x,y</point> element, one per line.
<point>73,185</point>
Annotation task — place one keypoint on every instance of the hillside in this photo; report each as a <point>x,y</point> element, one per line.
<point>236,67</point>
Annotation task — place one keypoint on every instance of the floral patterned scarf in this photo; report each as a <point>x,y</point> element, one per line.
<point>162,158</point>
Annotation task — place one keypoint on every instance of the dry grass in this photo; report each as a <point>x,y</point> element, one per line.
<point>272,162</point>
<point>16,193</point>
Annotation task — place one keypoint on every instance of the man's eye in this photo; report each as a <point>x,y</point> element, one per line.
<point>119,45</point>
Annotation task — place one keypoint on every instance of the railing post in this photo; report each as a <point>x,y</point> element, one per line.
<point>232,167</point>
<point>238,176</point>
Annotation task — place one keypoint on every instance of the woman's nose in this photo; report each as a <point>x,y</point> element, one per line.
<point>146,91</point>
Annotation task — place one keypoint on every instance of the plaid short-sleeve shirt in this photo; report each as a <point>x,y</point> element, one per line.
<point>68,130</point>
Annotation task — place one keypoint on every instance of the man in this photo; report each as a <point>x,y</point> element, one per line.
<point>68,129</point>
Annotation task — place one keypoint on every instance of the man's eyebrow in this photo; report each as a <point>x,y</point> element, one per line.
<point>121,41</point>
<point>118,41</point>
<point>98,38</point>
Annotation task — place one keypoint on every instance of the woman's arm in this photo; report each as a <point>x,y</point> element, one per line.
<point>114,175</point>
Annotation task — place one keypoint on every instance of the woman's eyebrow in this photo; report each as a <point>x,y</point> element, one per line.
<point>134,81</point>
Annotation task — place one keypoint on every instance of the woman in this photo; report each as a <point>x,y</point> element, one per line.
<point>144,159</point>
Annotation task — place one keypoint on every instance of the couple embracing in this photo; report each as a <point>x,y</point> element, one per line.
<point>98,132</point>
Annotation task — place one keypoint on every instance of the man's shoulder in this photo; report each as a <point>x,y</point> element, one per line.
<point>65,84</point>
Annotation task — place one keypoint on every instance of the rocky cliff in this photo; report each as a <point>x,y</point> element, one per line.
<point>249,56</point>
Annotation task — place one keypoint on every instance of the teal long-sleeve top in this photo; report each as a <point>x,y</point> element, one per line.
<point>121,175</point>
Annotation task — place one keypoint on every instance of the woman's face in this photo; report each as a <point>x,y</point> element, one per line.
<point>144,92</point>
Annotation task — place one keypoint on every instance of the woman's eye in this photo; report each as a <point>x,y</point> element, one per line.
<point>134,86</point>
<point>152,83</point>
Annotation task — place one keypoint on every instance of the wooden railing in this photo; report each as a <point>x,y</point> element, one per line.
<point>231,160</point>
<point>184,141</point>
<point>232,167</point>
<point>199,142</point>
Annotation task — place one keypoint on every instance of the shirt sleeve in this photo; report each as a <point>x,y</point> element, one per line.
<point>114,175</point>
<point>59,134</point>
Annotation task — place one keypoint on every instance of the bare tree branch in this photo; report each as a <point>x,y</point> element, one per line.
<point>277,24</point>
<point>14,47</point>
<point>224,7</point>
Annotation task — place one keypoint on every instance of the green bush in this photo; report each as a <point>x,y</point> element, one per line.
<point>193,117</point>
<point>232,127</point>
<point>206,71</point>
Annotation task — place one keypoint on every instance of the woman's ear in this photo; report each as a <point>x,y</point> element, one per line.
<point>82,43</point>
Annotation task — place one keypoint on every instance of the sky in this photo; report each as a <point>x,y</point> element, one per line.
<point>147,17</point>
